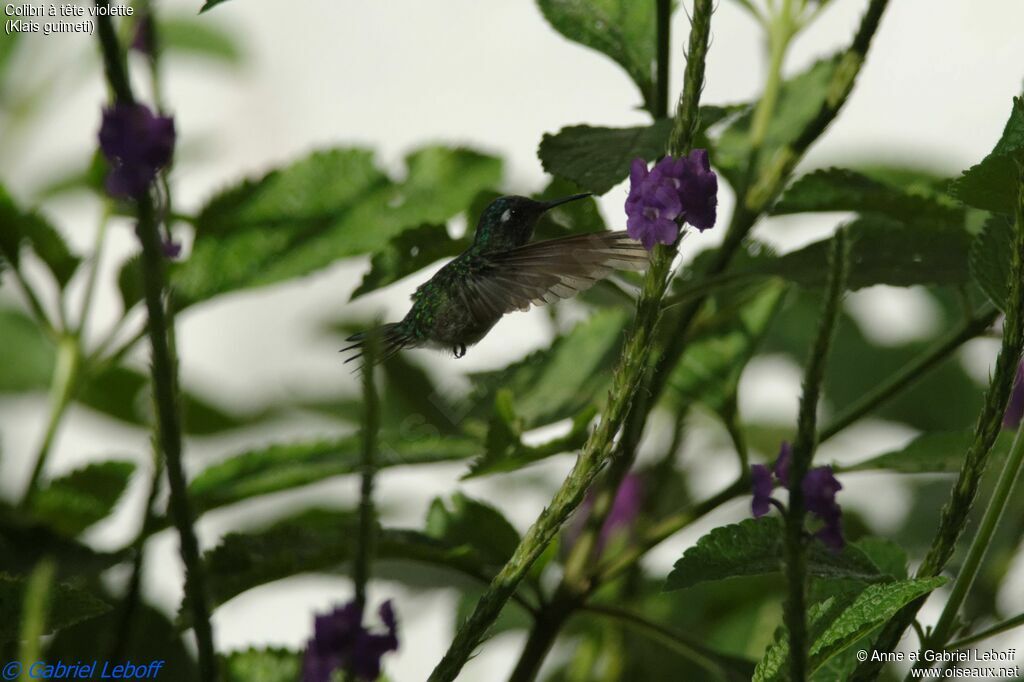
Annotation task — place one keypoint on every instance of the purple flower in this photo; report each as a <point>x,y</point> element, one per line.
<point>137,144</point>
<point>340,642</point>
<point>621,517</point>
<point>170,247</point>
<point>819,487</point>
<point>761,482</point>
<point>1015,408</point>
<point>675,189</point>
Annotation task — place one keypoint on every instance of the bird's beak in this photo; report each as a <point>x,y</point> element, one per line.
<point>548,205</point>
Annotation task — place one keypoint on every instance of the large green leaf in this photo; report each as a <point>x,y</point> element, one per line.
<point>840,189</point>
<point>992,185</point>
<point>408,252</point>
<point>323,541</point>
<point>465,522</point>
<point>561,380</point>
<point>262,665</point>
<point>28,229</point>
<point>936,452</point>
<point>83,497</point>
<point>68,605</point>
<point>755,547</point>
<point>24,541</point>
<point>284,466</point>
<point>799,100</point>
<point>624,30</point>
<point>330,205</point>
<point>990,259</point>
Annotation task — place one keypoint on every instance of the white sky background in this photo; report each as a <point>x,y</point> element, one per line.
<point>492,75</point>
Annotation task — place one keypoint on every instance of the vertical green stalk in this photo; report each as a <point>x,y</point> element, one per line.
<point>780,33</point>
<point>955,513</point>
<point>940,634</point>
<point>164,373</point>
<point>367,465</point>
<point>62,387</point>
<point>795,615</point>
<point>33,613</point>
<point>625,381</point>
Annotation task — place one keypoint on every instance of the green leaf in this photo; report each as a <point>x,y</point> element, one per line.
<point>129,282</point>
<point>992,185</point>
<point>407,253</point>
<point>24,541</point>
<point>754,547</point>
<point>990,259</point>
<point>289,465</point>
<point>505,448</point>
<point>598,158</point>
<point>21,338</point>
<point>840,189</point>
<point>83,497</point>
<point>709,370</point>
<point>882,251</point>
<point>333,204</point>
<point>937,452</point>
<point>621,29</point>
<point>187,35</point>
<point>575,217</point>
<point>209,4</point>
<point>563,379</point>
<point>799,100</point>
<point>319,540</point>
<point>262,665</point>
<point>473,524</point>
<point>68,605</point>
<point>22,229</point>
<point>889,557</point>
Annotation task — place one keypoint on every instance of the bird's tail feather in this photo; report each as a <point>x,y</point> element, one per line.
<point>390,338</point>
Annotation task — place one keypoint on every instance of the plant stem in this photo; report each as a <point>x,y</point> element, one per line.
<point>780,33</point>
<point>368,456</point>
<point>164,372</point>
<point>542,636</point>
<point>34,611</point>
<point>94,267</point>
<point>625,381</point>
<point>62,387</point>
<point>908,374</point>
<point>795,549</point>
<point>940,634</point>
<point>955,513</point>
<point>664,31</point>
<point>996,629</point>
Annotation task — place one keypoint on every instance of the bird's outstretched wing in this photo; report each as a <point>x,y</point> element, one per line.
<point>543,272</point>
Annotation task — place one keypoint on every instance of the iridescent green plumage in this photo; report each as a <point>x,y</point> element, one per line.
<point>501,272</point>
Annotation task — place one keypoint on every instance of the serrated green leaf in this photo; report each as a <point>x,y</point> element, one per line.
<point>21,338</point>
<point>841,189</point>
<point>559,381</point>
<point>621,29</point>
<point>992,185</point>
<point>889,557</point>
<point>319,540</point>
<point>331,205</point>
<point>990,259</point>
<point>754,547</point>
<point>284,466</point>
<point>799,100</point>
<point>408,252</point>
<point>83,497</point>
<point>936,452</point>
<point>28,229</point>
<point>194,37</point>
<point>24,541</point>
<point>709,370</point>
<point>597,158</point>
<point>68,605</point>
<point>262,665</point>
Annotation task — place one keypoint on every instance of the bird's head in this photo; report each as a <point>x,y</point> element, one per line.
<point>509,221</point>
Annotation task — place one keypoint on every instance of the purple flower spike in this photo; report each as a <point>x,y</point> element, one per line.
<point>137,144</point>
<point>171,248</point>
<point>781,467</point>
<point>625,509</point>
<point>761,482</point>
<point>340,642</point>
<point>676,189</point>
<point>1015,408</point>
<point>820,487</point>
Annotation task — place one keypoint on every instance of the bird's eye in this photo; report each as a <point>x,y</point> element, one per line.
<point>506,215</point>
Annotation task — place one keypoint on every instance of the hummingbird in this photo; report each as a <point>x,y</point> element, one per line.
<point>500,272</point>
